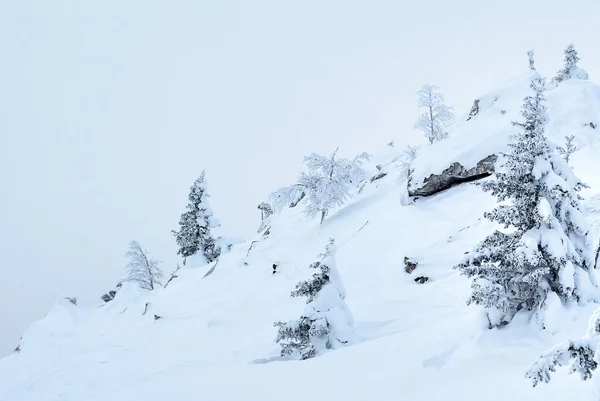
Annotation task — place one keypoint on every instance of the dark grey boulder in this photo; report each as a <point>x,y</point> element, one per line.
<point>455,174</point>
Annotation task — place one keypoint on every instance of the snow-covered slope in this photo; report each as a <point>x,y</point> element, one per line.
<point>215,338</point>
<point>571,107</point>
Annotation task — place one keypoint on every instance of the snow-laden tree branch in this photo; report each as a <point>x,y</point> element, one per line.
<point>579,354</point>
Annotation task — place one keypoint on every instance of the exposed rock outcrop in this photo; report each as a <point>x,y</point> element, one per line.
<point>455,174</point>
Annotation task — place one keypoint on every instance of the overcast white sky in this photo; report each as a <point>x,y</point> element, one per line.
<point>110,109</point>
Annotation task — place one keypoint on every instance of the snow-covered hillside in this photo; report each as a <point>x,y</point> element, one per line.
<point>215,337</point>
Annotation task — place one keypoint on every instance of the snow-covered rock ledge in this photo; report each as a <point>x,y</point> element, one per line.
<point>455,174</point>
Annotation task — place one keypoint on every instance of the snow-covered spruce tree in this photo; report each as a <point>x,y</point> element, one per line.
<point>530,54</point>
<point>437,116</point>
<point>196,223</point>
<point>141,268</point>
<point>548,249</point>
<point>569,148</point>
<point>329,181</point>
<point>570,70</point>
<point>326,322</point>
<point>580,354</point>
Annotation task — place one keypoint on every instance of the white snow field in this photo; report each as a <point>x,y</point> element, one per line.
<point>215,338</point>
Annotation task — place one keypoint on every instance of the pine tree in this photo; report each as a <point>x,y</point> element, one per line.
<point>326,322</point>
<point>548,249</point>
<point>569,148</point>
<point>530,54</point>
<point>196,223</point>
<point>434,121</point>
<point>570,70</point>
<point>141,268</point>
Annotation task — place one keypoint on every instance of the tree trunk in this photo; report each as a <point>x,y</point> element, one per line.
<point>322,216</point>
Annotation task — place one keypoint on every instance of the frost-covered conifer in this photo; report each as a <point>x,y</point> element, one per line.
<point>580,354</point>
<point>570,70</point>
<point>327,184</point>
<point>530,54</point>
<point>326,322</point>
<point>196,223</point>
<point>437,116</point>
<point>548,249</point>
<point>141,268</point>
<point>569,148</point>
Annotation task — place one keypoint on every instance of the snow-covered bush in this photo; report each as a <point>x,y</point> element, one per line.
<point>196,223</point>
<point>548,248</point>
<point>326,322</point>
<point>570,70</point>
<point>142,269</point>
<point>437,116</point>
<point>327,184</point>
<point>580,354</point>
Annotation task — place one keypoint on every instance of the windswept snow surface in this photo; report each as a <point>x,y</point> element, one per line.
<point>215,338</point>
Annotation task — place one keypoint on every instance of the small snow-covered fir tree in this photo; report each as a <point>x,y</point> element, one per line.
<point>569,148</point>
<point>329,181</point>
<point>530,54</point>
<point>548,248</point>
<point>437,116</point>
<point>326,322</point>
<point>141,268</point>
<point>570,70</point>
<point>196,223</point>
<point>580,354</point>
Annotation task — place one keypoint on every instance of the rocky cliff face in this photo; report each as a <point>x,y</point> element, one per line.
<point>456,173</point>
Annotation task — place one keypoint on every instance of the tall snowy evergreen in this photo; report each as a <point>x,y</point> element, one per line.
<point>196,223</point>
<point>141,268</point>
<point>570,70</point>
<point>328,183</point>
<point>437,116</point>
<point>326,322</point>
<point>547,250</point>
